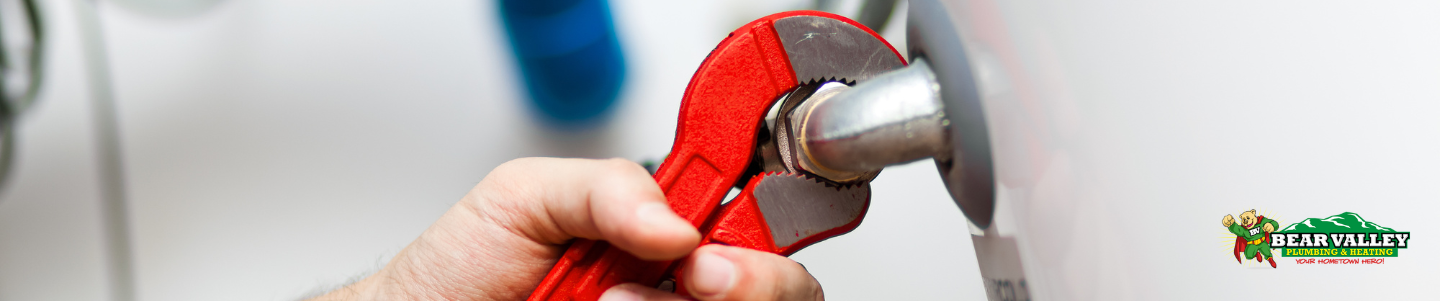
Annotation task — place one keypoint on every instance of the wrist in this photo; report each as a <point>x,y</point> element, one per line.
<point>365,289</point>
<point>379,286</point>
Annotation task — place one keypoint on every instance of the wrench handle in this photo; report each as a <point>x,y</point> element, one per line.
<point>719,120</point>
<point>589,267</point>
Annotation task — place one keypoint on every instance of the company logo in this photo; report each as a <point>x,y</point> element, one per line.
<point>1341,235</point>
<point>1337,239</point>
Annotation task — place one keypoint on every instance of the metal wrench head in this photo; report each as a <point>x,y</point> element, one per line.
<point>822,48</point>
<point>822,51</point>
<point>800,209</point>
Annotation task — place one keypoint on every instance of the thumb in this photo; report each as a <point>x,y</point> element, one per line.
<point>719,272</point>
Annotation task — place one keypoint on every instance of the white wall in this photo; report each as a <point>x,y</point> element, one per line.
<point>50,241</point>
<point>276,147</point>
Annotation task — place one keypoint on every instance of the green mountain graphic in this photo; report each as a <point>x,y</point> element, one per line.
<point>1347,222</point>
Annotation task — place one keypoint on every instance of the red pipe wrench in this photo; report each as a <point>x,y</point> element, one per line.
<point>719,142</point>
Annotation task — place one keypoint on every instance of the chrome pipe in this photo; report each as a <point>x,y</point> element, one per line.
<point>893,118</point>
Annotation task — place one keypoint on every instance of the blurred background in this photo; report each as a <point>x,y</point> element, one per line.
<point>268,149</point>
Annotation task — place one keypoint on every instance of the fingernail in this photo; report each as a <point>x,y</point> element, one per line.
<point>659,215</point>
<point>714,275</point>
<point>621,293</point>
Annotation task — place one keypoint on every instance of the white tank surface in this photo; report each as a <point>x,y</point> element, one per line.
<point>1123,133</point>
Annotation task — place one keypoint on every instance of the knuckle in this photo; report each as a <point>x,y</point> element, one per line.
<point>620,166</point>
<point>803,286</point>
<point>505,191</point>
<point>816,292</point>
<point>791,281</point>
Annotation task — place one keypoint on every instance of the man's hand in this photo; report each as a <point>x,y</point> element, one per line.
<point>501,239</point>
<point>1227,221</point>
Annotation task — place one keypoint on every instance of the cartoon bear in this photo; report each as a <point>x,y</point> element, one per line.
<point>1251,235</point>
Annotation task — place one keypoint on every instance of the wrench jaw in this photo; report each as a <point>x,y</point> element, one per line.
<point>807,210</point>
<point>782,213</point>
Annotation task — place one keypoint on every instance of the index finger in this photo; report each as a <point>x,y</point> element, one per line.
<point>552,200</point>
